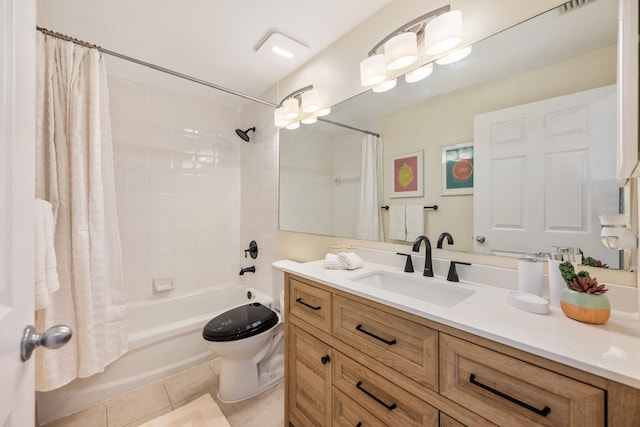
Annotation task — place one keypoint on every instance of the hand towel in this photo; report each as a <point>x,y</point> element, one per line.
<point>45,274</point>
<point>331,262</point>
<point>414,222</point>
<point>350,260</point>
<point>397,223</point>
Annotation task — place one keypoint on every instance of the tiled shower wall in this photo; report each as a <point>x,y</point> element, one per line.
<point>178,182</point>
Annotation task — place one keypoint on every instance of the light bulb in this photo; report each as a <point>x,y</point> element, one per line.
<point>401,50</point>
<point>418,74</point>
<point>385,86</point>
<point>373,70</point>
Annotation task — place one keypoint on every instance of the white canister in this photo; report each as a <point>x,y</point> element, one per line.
<point>556,282</point>
<point>530,278</point>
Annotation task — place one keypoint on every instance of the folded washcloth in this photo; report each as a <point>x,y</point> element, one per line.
<point>350,260</point>
<point>331,262</point>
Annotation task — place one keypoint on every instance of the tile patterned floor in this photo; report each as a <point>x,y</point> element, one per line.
<point>149,402</point>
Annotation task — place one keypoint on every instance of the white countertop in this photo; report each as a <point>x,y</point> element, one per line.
<point>611,350</point>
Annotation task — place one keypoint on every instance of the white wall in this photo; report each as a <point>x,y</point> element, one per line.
<point>178,191</point>
<point>259,194</point>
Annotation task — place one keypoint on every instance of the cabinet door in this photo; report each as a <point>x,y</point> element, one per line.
<point>447,421</point>
<point>310,380</point>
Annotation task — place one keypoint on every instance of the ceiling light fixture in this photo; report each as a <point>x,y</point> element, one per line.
<point>433,33</point>
<point>385,86</point>
<point>300,106</point>
<point>281,49</point>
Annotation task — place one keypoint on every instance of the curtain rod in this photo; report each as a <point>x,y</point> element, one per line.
<point>177,74</point>
<point>153,66</point>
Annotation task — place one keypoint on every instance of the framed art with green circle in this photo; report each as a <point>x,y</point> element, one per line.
<point>457,169</point>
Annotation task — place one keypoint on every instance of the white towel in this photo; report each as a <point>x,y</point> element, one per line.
<point>350,260</point>
<point>45,274</point>
<point>414,222</point>
<point>331,262</point>
<point>397,223</point>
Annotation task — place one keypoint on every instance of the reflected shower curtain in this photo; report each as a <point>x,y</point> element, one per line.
<point>74,172</point>
<point>369,220</point>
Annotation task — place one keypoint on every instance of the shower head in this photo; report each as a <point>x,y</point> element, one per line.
<point>243,133</point>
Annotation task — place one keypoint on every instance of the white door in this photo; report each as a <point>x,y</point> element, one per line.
<point>544,172</point>
<point>17,139</point>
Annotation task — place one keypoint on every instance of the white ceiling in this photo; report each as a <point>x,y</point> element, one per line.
<point>212,40</point>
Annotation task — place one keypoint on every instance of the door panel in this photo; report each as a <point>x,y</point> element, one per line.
<point>17,127</point>
<point>544,172</point>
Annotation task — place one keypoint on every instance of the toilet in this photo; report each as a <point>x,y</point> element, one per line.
<point>249,340</point>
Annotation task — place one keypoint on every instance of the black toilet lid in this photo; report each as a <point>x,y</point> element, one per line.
<point>240,322</point>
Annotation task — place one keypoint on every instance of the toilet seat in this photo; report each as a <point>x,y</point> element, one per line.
<point>240,322</point>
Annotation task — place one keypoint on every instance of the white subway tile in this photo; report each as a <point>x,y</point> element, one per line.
<point>160,266</point>
<point>136,202</point>
<point>161,181</point>
<point>161,202</point>
<point>161,222</point>
<point>184,243</point>
<point>136,180</point>
<point>135,223</point>
<point>184,222</point>
<point>161,244</point>
<point>184,202</point>
<point>184,183</point>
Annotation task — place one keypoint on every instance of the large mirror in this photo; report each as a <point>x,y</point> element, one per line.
<point>545,80</point>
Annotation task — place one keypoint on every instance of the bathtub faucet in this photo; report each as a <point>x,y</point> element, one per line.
<point>251,269</point>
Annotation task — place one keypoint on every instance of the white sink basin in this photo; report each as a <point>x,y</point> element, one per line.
<point>423,288</point>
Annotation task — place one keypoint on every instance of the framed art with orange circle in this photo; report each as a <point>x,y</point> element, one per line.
<point>457,169</point>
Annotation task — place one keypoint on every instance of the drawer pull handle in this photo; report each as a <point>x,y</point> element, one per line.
<point>359,328</point>
<point>325,359</point>
<point>544,411</point>
<point>374,397</point>
<point>308,305</point>
<point>359,424</point>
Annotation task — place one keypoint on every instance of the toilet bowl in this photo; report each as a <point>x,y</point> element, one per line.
<point>249,340</point>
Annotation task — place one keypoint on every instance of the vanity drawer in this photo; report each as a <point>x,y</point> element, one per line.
<point>405,346</point>
<point>510,392</point>
<point>311,304</point>
<point>347,413</point>
<point>386,401</point>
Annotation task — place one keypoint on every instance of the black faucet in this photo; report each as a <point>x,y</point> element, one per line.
<point>428,268</point>
<point>251,269</point>
<point>452,276</point>
<point>441,239</point>
<point>408,266</point>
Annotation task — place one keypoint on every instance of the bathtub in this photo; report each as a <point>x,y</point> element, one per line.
<point>165,337</point>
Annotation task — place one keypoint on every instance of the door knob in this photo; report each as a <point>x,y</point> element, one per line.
<point>480,239</point>
<point>52,338</point>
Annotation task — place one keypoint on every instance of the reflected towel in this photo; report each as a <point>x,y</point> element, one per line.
<point>45,273</point>
<point>350,260</point>
<point>397,223</point>
<point>414,222</point>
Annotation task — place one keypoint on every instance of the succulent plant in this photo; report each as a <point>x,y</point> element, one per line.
<point>592,262</point>
<point>582,281</point>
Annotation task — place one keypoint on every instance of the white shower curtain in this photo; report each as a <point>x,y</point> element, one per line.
<point>74,171</point>
<point>369,220</point>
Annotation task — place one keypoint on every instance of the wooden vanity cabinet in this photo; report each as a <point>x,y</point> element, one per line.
<point>354,362</point>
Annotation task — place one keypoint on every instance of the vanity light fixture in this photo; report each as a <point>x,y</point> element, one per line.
<point>454,56</point>
<point>615,233</point>
<point>419,73</point>
<point>385,86</point>
<point>435,32</point>
<point>300,106</point>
